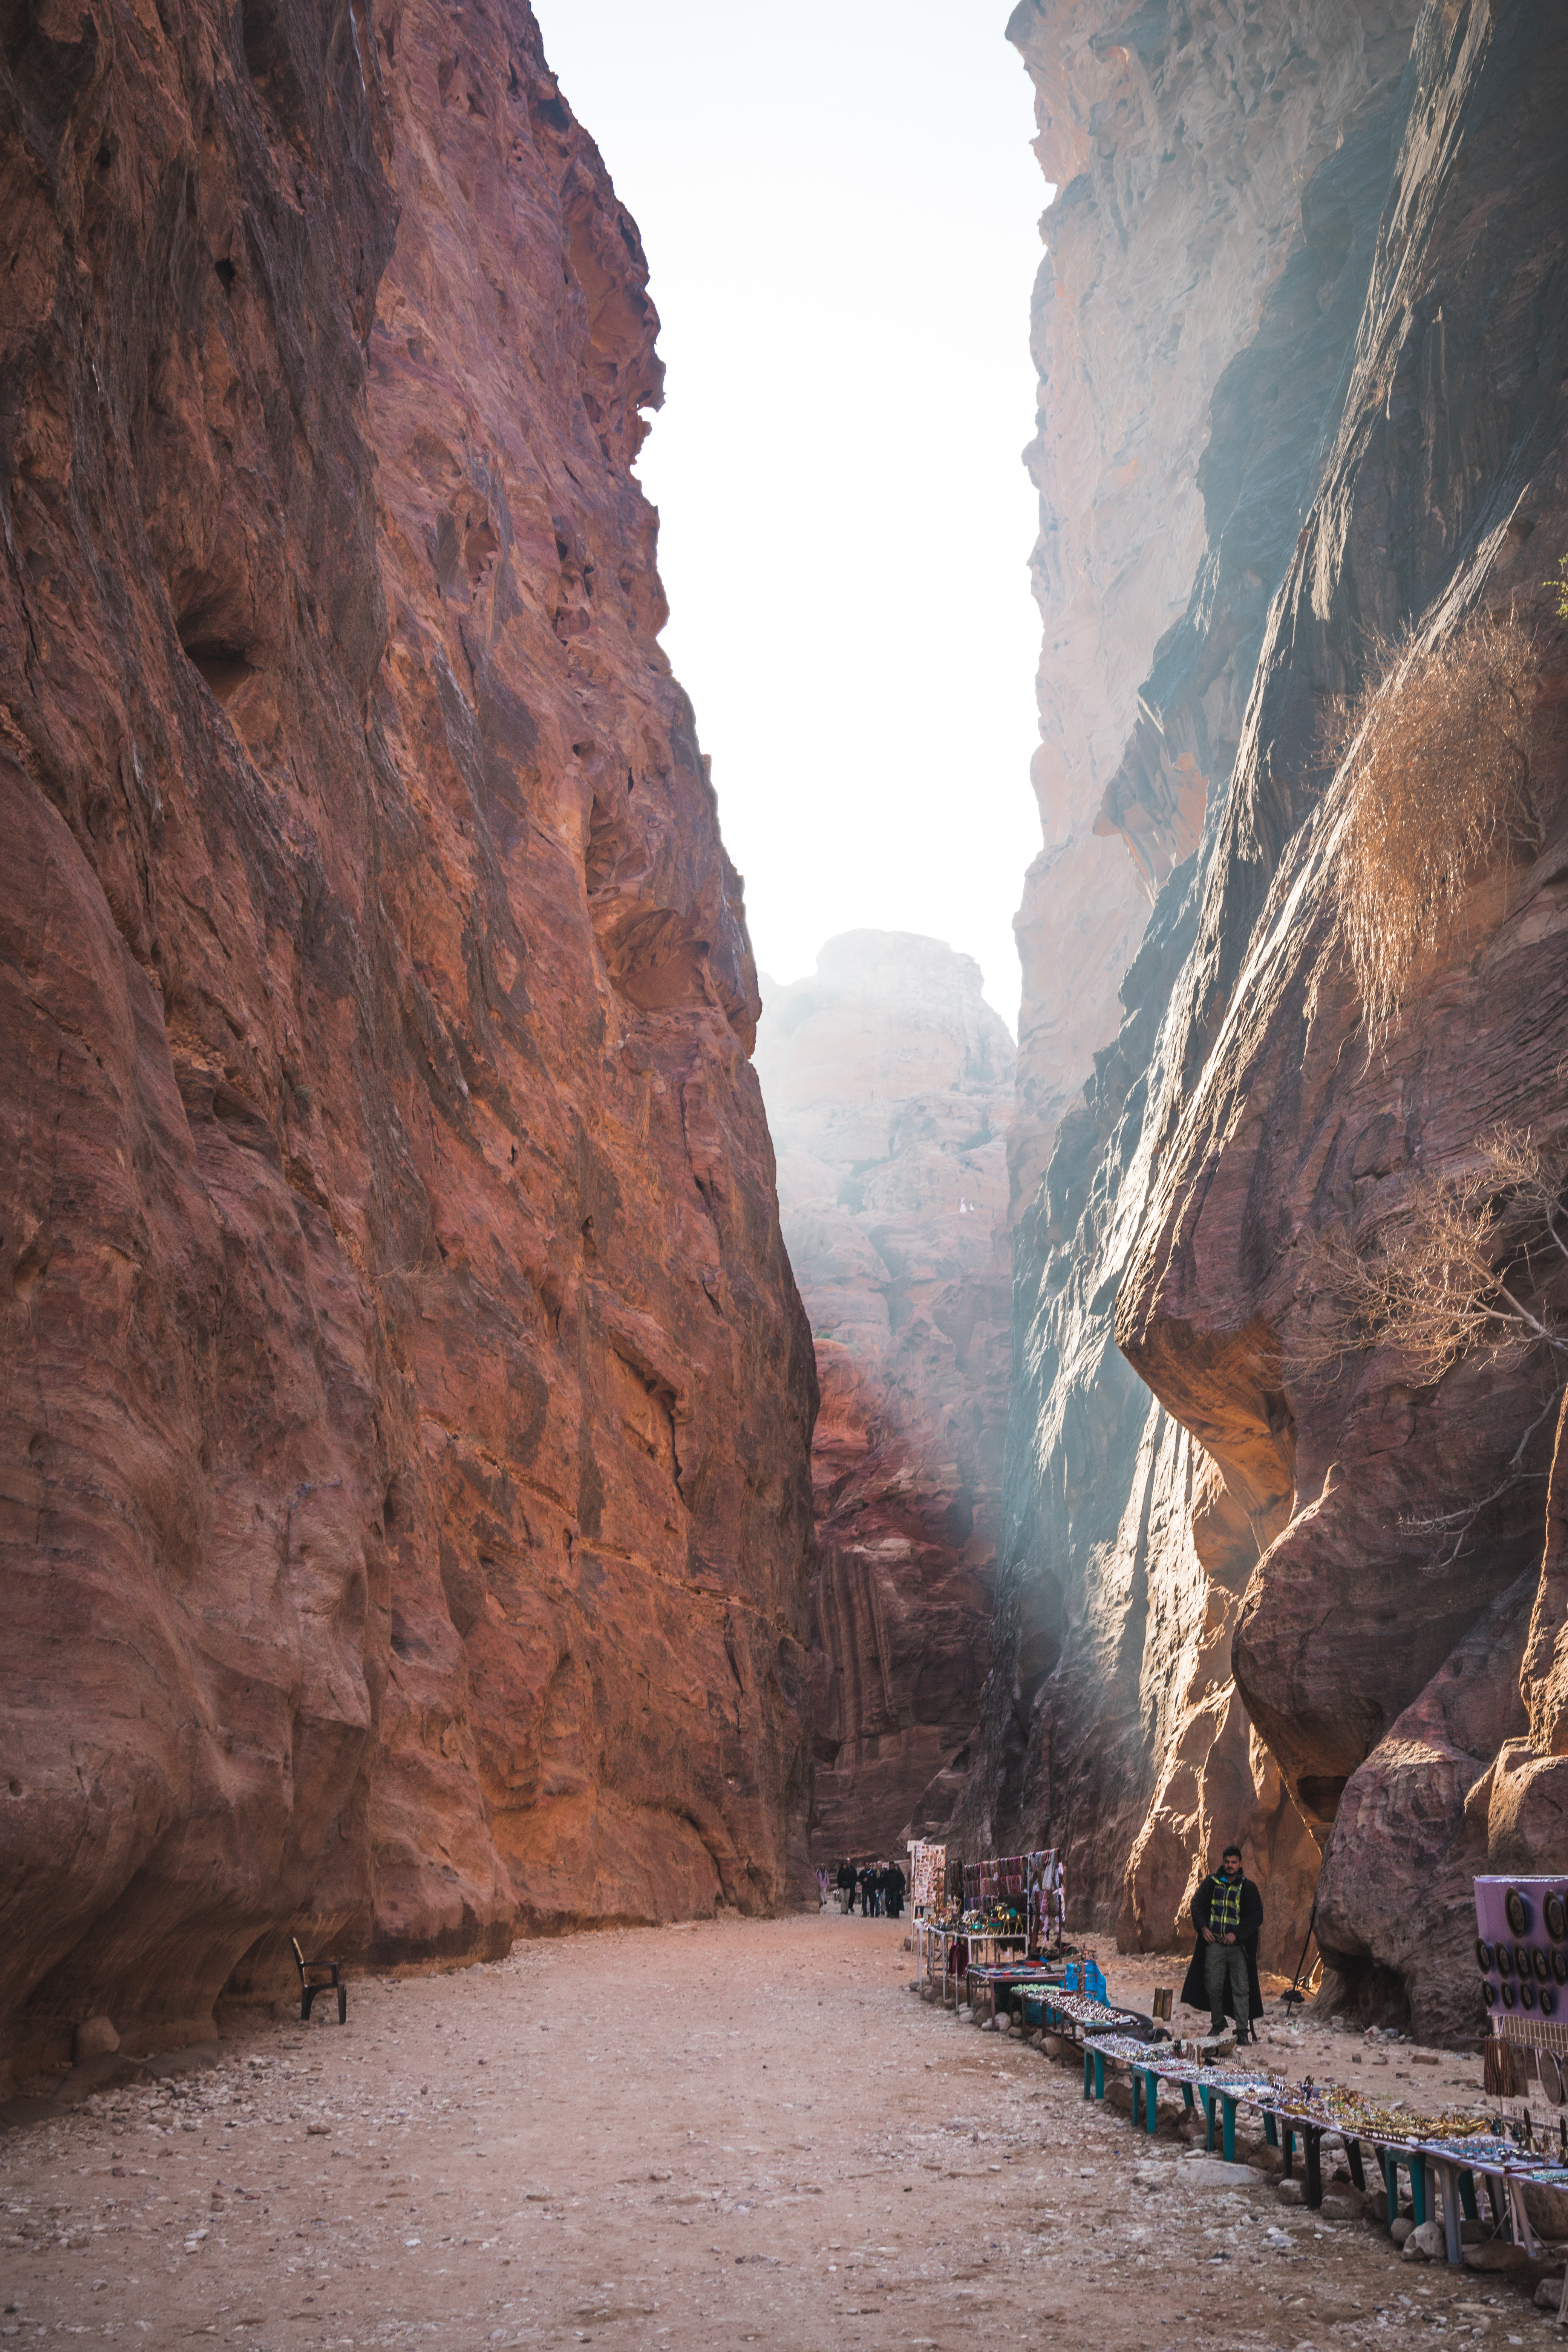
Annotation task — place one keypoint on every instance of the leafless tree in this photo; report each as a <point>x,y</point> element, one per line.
<point>1466,1262</point>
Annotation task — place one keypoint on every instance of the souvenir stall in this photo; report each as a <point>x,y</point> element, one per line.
<point>1011,1904</point>
<point>927,1878</point>
<point>1016,1897</point>
<point>1451,2158</point>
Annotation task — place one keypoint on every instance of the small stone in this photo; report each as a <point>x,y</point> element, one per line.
<point>94,2037</point>
<point>1495,2255</point>
<point>1473,2234</point>
<point>1213,2172</point>
<point>318,2131</point>
<point>1401,2230</point>
<point>1346,2204</point>
<point>1426,2243</point>
<point>1292,2192</point>
<point>1051,2043</point>
<point>1549,2293</point>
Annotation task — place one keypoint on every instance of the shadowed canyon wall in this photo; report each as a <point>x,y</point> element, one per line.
<point>1221,179</point>
<point>888,1084</point>
<point>1245,1630</point>
<point>406,1402</point>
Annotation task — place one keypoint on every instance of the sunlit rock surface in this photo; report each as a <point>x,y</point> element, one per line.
<point>1207,262</point>
<point>1382,1636</point>
<point>887,1081</point>
<point>405,1405</point>
<point>1401,460</point>
<point>1185,145</point>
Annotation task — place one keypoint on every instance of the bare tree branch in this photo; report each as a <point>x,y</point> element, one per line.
<point>1435,768</point>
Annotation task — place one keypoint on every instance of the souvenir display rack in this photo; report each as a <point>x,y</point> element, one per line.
<point>927,1878</point>
<point>1029,1889</point>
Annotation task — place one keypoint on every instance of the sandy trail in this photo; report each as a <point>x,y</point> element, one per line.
<point>742,2132</point>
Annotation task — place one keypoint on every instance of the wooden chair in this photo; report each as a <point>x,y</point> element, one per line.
<point>312,1980</point>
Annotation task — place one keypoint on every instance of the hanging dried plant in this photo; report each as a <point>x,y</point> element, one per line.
<point>1436,776</point>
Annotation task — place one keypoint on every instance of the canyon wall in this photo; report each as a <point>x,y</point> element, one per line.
<point>1218,1590</point>
<point>406,1402</point>
<point>888,1080</point>
<point>1220,189</point>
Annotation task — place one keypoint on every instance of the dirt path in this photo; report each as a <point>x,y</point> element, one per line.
<point>736,2133</point>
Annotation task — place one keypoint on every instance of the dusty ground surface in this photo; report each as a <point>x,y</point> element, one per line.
<point>736,2133</point>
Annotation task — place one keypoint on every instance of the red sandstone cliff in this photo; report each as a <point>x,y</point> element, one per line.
<point>1208,254</point>
<point>887,1084</point>
<point>406,1402</point>
<point>1239,1613</point>
<point>1400,1668</point>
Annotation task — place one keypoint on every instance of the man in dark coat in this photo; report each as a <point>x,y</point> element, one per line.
<point>869,1893</point>
<point>895,1891</point>
<point>1228,1912</point>
<point>845,1885</point>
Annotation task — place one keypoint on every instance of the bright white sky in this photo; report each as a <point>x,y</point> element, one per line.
<point>840,207</point>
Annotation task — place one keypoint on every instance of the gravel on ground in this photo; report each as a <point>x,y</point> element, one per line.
<point>741,2132</point>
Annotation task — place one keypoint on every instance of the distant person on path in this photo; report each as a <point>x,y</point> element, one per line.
<point>845,1887</point>
<point>1228,1912</point>
<point>868,1893</point>
<point>895,1885</point>
<point>822,1884</point>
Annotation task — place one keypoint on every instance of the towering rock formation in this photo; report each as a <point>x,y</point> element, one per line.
<point>888,1082</point>
<point>406,1402</point>
<point>1208,257</point>
<point>1381,1635</point>
<point>1240,1629</point>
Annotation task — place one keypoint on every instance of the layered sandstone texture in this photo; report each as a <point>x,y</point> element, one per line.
<point>1397,1644</point>
<point>406,1402</point>
<point>1186,148</point>
<point>888,1080</point>
<point>1211,248</point>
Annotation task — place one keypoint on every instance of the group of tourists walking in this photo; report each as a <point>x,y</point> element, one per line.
<point>879,1885</point>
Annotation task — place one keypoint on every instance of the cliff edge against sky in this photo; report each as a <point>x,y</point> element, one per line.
<point>407,1409</point>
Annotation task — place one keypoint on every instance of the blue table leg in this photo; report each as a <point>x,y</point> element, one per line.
<point>1418,2189</point>
<point>1449,2179</point>
<point>1099,2075</point>
<point>1270,2131</point>
<point>1390,2172</point>
<point>1188,2096</point>
<point>1207,2095</point>
<point>1229,2105</point>
<point>1151,2103</point>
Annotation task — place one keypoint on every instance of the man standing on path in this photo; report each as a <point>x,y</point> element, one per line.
<point>1228,1912</point>
<point>846,1886</point>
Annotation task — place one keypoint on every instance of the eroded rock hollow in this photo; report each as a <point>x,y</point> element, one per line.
<point>1306,268</point>
<point>406,1402</point>
<point>888,1080</point>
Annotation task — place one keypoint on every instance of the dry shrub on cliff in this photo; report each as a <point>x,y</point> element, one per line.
<point>1461,1265</point>
<point>1437,778</point>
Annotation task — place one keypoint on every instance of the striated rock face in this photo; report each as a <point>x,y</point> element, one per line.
<point>1404,455</point>
<point>1198,213</point>
<point>1380,1642</point>
<point>887,1081</point>
<point>406,1402</point>
<point>1209,258</point>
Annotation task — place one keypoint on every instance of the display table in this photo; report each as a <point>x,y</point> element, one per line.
<point>1457,2165</point>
